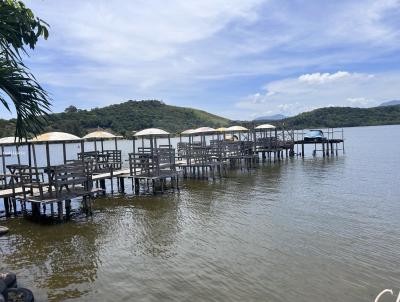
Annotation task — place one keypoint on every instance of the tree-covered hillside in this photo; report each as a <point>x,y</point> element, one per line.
<point>126,117</point>
<point>344,117</point>
<point>136,115</point>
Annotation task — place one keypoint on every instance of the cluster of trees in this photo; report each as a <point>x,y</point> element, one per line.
<point>132,116</point>
<point>333,117</point>
<point>136,115</point>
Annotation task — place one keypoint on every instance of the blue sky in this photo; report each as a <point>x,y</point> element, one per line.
<point>240,59</point>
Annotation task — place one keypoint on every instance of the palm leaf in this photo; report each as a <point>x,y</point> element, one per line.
<point>30,100</point>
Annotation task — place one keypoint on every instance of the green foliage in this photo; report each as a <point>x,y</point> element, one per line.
<point>19,28</point>
<point>137,115</point>
<point>132,116</point>
<point>332,117</point>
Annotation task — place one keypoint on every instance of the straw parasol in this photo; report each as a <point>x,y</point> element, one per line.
<point>187,132</point>
<point>236,129</point>
<point>221,129</point>
<point>152,132</point>
<point>101,135</point>
<point>55,137</point>
<point>11,140</point>
<point>204,130</point>
<point>265,126</point>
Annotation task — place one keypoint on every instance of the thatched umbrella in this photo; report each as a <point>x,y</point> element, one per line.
<point>55,138</point>
<point>237,129</point>
<point>152,134</point>
<point>10,141</point>
<point>265,128</point>
<point>187,133</point>
<point>101,135</point>
<point>203,132</point>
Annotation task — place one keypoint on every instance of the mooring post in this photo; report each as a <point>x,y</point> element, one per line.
<point>68,209</point>
<point>7,206</point>
<point>14,203</point>
<point>323,148</point>
<point>103,185</point>
<point>137,186</point>
<point>60,210</point>
<point>122,184</point>
<point>327,148</point>
<point>302,149</point>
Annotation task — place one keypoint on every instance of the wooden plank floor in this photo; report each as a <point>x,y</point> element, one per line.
<point>107,175</point>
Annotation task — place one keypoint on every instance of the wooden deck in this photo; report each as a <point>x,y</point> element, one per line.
<point>311,142</point>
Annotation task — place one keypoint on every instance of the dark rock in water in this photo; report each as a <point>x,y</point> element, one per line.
<point>3,230</point>
<point>18,295</point>
<point>10,279</point>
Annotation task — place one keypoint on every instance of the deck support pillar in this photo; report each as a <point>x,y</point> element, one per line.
<point>60,210</point>
<point>7,206</point>
<point>122,184</point>
<point>137,186</point>
<point>68,209</point>
<point>103,185</point>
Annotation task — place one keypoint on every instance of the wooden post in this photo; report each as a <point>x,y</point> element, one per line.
<point>83,149</point>
<point>7,206</point>
<point>103,185</point>
<point>122,184</point>
<point>18,156</point>
<point>137,186</point>
<point>302,149</point>
<point>68,208</point>
<point>3,160</point>
<point>65,153</point>
<point>323,148</point>
<point>60,210</point>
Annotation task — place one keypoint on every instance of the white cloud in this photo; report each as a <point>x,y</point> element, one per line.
<point>293,95</point>
<point>103,51</point>
<point>359,101</point>
<point>322,78</point>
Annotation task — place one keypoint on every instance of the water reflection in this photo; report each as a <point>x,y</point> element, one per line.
<point>318,229</point>
<point>63,259</point>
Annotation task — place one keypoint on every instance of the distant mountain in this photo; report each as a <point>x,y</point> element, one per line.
<point>275,117</point>
<point>390,103</point>
<point>333,117</point>
<point>136,115</point>
<point>125,117</point>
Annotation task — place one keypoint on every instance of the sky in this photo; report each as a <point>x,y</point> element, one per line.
<point>239,59</point>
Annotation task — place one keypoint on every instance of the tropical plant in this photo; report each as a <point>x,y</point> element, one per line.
<point>19,28</point>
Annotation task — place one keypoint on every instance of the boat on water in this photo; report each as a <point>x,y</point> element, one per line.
<point>314,136</point>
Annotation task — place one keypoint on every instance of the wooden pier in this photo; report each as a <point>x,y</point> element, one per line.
<point>329,145</point>
<point>47,192</point>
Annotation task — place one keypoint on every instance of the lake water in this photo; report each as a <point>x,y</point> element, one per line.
<point>313,229</point>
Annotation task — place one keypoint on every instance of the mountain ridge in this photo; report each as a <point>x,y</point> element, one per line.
<point>131,116</point>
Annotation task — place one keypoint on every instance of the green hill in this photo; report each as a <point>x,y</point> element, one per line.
<point>126,117</point>
<point>136,115</point>
<point>343,117</point>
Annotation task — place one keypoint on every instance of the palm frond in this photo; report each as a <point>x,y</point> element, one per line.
<point>30,100</point>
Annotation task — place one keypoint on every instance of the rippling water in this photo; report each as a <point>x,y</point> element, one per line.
<point>299,230</point>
